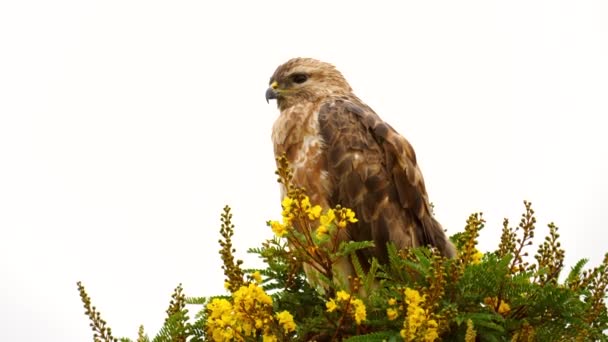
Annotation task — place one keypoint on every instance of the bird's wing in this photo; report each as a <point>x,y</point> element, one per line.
<point>374,172</point>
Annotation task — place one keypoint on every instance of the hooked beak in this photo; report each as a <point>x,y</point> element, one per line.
<point>271,94</point>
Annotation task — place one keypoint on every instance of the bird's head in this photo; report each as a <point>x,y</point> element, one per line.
<point>305,80</point>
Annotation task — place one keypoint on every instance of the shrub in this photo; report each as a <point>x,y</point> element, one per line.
<point>418,295</point>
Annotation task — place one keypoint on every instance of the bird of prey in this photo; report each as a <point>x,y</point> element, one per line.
<point>344,154</point>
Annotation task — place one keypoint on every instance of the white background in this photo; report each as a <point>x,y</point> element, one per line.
<point>125,127</point>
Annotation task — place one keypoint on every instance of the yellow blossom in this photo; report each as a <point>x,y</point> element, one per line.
<point>356,307</point>
<point>431,331</point>
<point>412,297</point>
<point>345,215</point>
<point>391,313</point>
<point>305,204</point>
<point>476,257</point>
<point>350,216</point>
<point>256,276</point>
<point>392,301</point>
<point>278,228</point>
<point>221,322</point>
<point>418,322</point>
<point>269,338</point>
<point>219,306</point>
<point>360,313</point>
<point>406,336</point>
<point>288,215</point>
<point>503,307</point>
<point>250,296</point>
<point>342,295</point>
<point>471,333</point>
<point>286,320</point>
<point>249,315</point>
<point>321,232</point>
<point>328,218</point>
<point>331,305</point>
<point>287,202</point>
<point>314,212</point>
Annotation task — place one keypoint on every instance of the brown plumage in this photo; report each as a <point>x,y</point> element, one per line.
<point>342,153</point>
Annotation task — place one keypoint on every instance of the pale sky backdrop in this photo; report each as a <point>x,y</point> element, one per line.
<point>126,126</point>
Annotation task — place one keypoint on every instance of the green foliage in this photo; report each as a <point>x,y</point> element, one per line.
<point>503,296</point>
<point>418,295</point>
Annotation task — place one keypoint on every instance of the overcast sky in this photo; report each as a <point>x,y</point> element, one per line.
<point>126,126</point>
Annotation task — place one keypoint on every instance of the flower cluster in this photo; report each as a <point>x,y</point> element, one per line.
<point>345,303</point>
<point>325,224</point>
<point>338,217</point>
<point>344,216</point>
<point>392,312</point>
<point>293,208</point>
<point>503,308</point>
<point>476,257</point>
<point>286,321</point>
<point>300,207</point>
<point>470,334</point>
<point>467,252</point>
<point>248,315</point>
<point>418,324</point>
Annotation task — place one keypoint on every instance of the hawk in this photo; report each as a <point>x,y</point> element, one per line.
<point>344,154</point>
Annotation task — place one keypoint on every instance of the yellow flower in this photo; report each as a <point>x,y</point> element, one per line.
<point>418,322</point>
<point>321,232</point>
<point>406,336</point>
<point>221,321</point>
<point>328,218</point>
<point>314,212</point>
<point>431,331</point>
<point>218,306</point>
<point>503,307</point>
<point>248,297</point>
<point>288,208</point>
<point>269,338</point>
<point>342,295</point>
<point>391,313</point>
<point>471,333</point>
<point>278,228</point>
<point>256,276</point>
<point>249,315</point>
<point>305,204</point>
<point>348,215</point>
<point>331,305</point>
<point>360,314</point>
<point>355,306</point>
<point>476,257</point>
<point>286,320</point>
<point>392,301</point>
<point>412,297</point>
<point>287,202</point>
<point>345,215</point>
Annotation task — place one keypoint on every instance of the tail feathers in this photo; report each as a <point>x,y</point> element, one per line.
<point>431,234</point>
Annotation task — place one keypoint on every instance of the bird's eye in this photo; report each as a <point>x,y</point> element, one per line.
<point>299,78</point>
